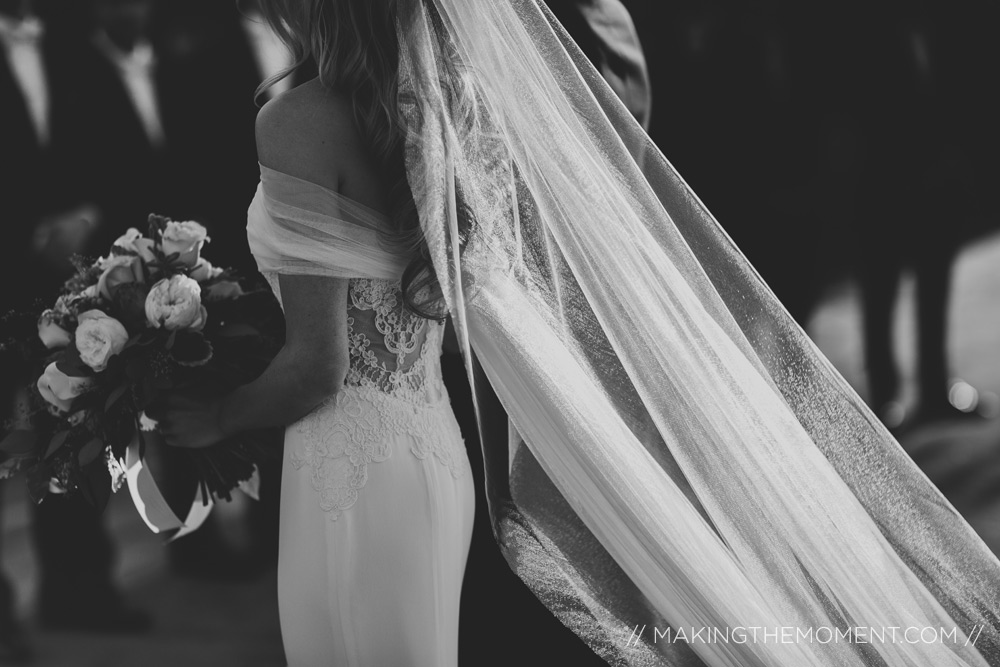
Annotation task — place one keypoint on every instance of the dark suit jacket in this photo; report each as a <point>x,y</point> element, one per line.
<point>32,176</point>
<point>207,63</point>
<point>206,170</point>
<point>20,175</point>
<point>209,76</point>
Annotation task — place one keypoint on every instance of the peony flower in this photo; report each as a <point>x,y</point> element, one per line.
<point>51,334</point>
<point>185,238</point>
<point>175,303</point>
<point>205,271</point>
<point>98,338</point>
<point>224,289</point>
<point>119,270</point>
<point>134,240</point>
<point>60,389</point>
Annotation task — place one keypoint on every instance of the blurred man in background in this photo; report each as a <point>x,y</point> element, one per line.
<point>46,223</point>
<point>167,95</point>
<point>605,33</point>
<point>24,132</point>
<point>738,119</point>
<point>920,189</point>
<point>831,139</point>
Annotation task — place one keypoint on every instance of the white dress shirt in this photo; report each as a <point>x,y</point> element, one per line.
<point>21,40</point>
<point>269,51</point>
<point>136,68</point>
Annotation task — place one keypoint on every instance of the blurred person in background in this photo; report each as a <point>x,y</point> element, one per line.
<point>826,144</point>
<point>605,33</point>
<point>46,224</point>
<point>208,59</point>
<point>24,101</point>
<point>918,193</point>
<point>121,160</point>
<point>740,127</point>
<point>270,55</point>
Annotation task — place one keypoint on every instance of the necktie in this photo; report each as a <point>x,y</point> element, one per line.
<point>21,42</point>
<point>136,68</point>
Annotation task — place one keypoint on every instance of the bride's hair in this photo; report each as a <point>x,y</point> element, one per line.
<point>355,48</point>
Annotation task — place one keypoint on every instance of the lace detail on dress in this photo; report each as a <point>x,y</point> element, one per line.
<point>402,334</point>
<point>393,387</point>
<point>352,430</point>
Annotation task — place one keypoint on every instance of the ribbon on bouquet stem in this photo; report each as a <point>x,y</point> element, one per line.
<point>153,507</point>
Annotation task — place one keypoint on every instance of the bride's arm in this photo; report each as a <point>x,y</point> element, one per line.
<point>310,368</point>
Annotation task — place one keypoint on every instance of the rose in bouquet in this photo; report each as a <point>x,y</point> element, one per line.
<point>153,316</point>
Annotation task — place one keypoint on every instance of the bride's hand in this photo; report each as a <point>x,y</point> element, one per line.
<point>189,421</point>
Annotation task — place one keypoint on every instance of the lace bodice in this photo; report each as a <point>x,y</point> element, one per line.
<point>393,387</point>
<point>392,350</point>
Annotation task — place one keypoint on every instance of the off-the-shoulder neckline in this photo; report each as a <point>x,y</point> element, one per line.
<point>333,193</point>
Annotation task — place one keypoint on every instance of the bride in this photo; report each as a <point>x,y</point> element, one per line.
<point>679,459</point>
<point>377,500</point>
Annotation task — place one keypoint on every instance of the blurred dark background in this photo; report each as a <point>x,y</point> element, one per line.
<point>848,148</point>
<point>835,141</point>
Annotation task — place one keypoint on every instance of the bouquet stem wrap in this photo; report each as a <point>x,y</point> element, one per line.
<point>152,506</point>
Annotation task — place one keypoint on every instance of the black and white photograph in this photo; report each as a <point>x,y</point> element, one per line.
<point>491,333</point>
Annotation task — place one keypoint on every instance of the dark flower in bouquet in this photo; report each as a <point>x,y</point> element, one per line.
<point>151,317</point>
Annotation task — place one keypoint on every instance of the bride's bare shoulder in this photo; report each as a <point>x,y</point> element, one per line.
<point>308,132</point>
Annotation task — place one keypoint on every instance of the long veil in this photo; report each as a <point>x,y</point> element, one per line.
<point>681,457</point>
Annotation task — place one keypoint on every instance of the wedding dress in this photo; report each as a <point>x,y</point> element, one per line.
<point>376,494</point>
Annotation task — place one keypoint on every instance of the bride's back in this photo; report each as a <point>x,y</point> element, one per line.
<point>315,159</point>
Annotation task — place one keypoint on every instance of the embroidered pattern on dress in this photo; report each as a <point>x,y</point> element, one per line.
<point>345,434</point>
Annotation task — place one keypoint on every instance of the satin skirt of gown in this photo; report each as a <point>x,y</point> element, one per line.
<point>381,583</point>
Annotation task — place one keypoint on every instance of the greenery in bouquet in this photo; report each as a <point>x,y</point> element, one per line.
<point>153,316</point>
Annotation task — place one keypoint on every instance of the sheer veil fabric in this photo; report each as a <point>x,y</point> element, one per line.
<point>681,456</point>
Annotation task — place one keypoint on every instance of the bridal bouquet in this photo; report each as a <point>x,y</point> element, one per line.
<point>152,316</point>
